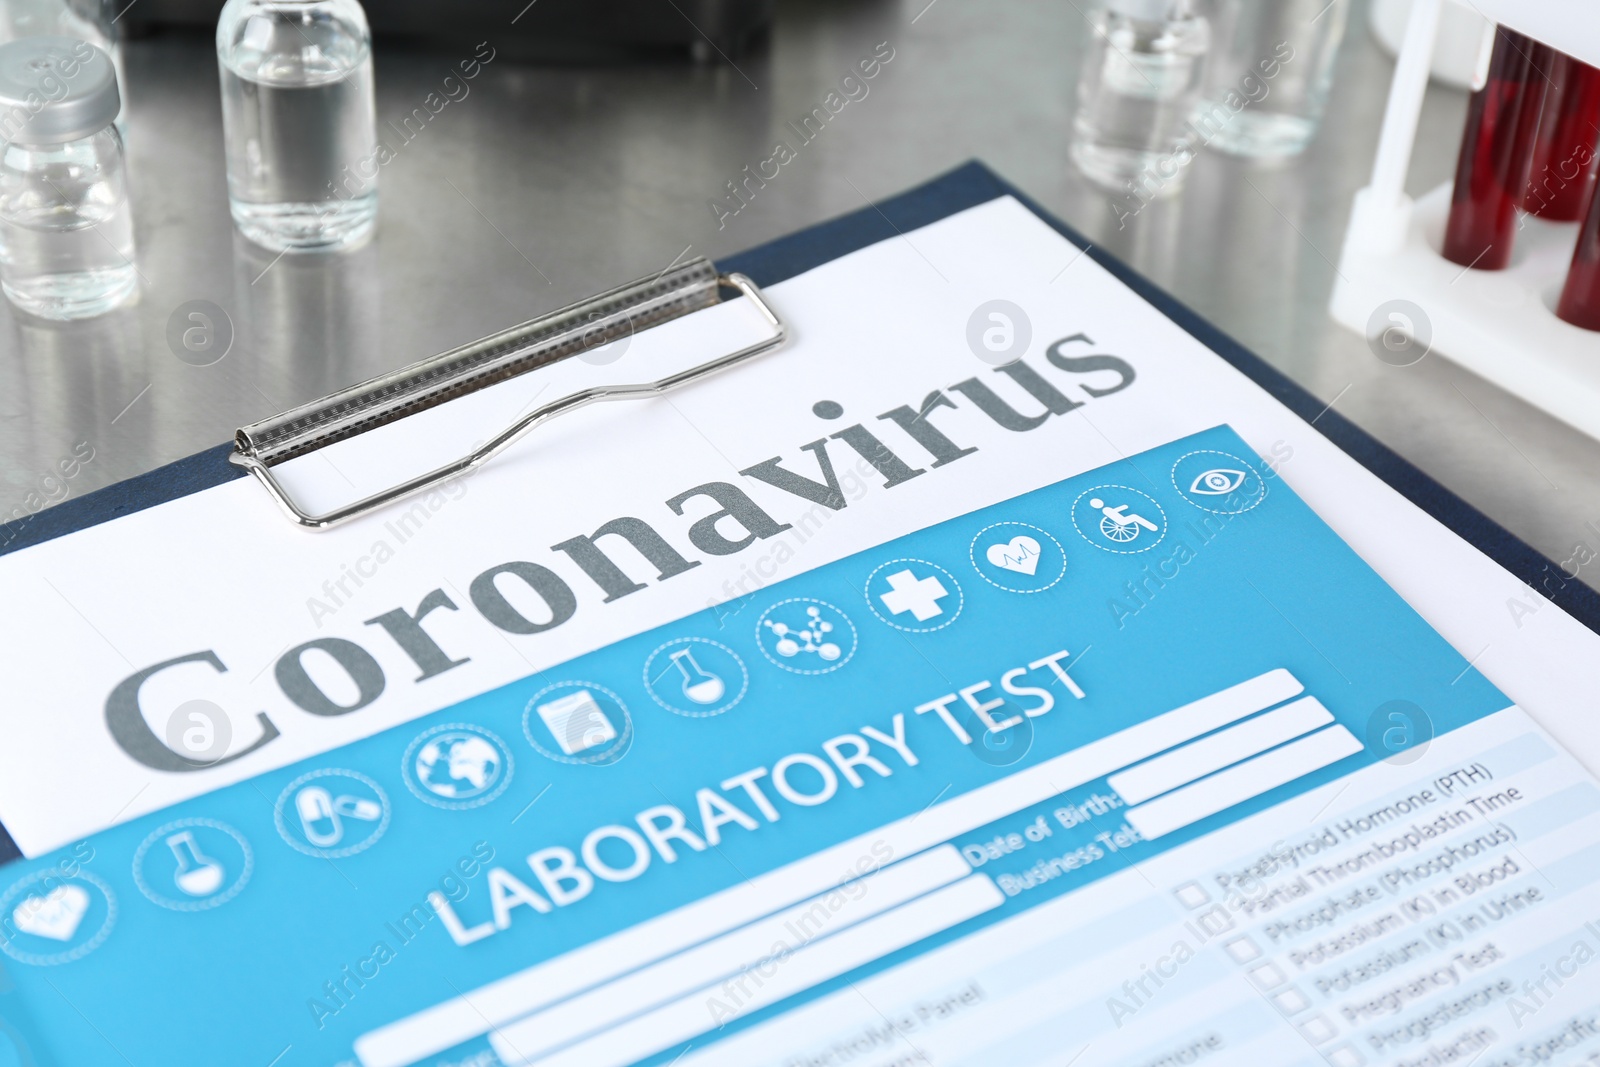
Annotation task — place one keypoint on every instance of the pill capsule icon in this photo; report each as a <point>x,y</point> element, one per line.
<point>318,819</point>
<point>358,808</point>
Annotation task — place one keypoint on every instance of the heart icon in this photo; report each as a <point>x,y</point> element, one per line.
<point>1020,554</point>
<point>55,914</point>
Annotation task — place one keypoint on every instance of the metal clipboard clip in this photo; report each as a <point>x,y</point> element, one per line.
<point>571,331</point>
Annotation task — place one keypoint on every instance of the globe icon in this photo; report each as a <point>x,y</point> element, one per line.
<point>458,766</point>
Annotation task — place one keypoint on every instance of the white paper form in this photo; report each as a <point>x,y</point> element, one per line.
<point>221,577</point>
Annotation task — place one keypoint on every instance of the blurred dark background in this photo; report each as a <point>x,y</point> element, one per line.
<point>549,31</point>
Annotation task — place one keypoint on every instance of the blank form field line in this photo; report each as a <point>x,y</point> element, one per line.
<point>1222,749</point>
<point>460,1019</point>
<point>690,1016</point>
<point>1237,784</point>
<point>834,915</point>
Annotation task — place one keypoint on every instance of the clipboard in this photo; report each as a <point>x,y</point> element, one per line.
<point>685,288</point>
<point>698,284</point>
<point>572,329</point>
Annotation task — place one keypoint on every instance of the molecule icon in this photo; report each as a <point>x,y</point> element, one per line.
<point>807,639</point>
<point>820,640</point>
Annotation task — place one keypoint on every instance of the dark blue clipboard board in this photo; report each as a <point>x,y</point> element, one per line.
<point>965,187</point>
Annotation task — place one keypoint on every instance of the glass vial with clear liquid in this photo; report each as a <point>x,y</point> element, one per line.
<point>80,20</point>
<point>66,224</point>
<point>1139,85</point>
<point>1270,74</point>
<point>298,119</point>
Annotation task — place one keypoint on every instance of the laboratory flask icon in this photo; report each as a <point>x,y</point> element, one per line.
<point>197,874</point>
<point>192,864</point>
<point>695,676</point>
<point>699,684</point>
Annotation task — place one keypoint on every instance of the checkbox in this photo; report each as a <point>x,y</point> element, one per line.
<point>1317,1029</point>
<point>1215,920</point>
<point>1192,895</point>
<point>1242,950</point>
<point>1266,976</point>
<point>1291,1001</point>
<point>1345,1056</point>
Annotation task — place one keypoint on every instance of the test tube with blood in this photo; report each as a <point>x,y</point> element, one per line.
<point>1564,158</point>
<point>1497,153</point>
<point>1580,297</point>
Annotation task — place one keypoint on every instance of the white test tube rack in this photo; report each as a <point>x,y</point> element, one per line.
<point>1501,324</point>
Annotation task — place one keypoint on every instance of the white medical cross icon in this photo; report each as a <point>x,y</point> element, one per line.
<point>920,596</point>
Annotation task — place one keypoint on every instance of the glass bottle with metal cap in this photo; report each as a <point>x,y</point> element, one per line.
<point>66,226</point>
<point>92,22</point>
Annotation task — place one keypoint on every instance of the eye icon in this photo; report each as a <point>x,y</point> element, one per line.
<point>1218,481</point>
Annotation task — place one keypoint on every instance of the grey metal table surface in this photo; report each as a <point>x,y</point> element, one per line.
<point>545,184</point>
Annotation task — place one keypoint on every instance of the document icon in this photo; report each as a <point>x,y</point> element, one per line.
<point>577,722</point>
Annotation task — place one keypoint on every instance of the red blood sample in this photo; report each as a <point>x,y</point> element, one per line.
<point>1564,158</point>
<point>1497,153</point>
<point>1580,299</point>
